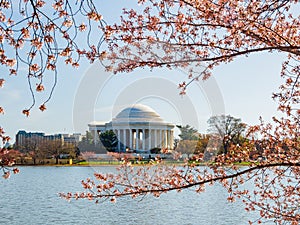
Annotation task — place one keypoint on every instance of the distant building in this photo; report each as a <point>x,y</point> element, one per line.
<point>23,138</point>
<point>138,128</point>
<point>72,138</point>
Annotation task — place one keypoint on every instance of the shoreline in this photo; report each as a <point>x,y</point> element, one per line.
<point>103,163</point>
<point>116,164</point>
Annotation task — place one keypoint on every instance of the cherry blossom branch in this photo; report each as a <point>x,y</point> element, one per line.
<point>181,187</point>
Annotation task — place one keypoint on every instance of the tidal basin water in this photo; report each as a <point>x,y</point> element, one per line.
<point>31,198</point>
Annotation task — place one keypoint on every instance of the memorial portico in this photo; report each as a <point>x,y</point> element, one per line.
<point>138,128</point>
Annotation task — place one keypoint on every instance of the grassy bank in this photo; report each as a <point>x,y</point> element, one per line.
<point>68,162</point>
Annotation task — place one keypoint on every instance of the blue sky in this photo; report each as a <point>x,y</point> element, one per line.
<point>242,89</point>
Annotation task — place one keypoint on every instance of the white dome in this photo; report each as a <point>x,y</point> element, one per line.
<point>138,128</point>
<point>138,112</point>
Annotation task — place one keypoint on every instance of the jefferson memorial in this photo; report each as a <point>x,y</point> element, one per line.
<point>138,128</point>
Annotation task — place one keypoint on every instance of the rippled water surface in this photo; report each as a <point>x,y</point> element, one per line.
<point>31,198</point>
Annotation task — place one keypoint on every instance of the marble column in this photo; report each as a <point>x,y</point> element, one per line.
<point>130,139</point>
<point>165,139</point>
<point>149,139</point>
<point>172,139</point>
<point>144,140</point>
<point>124,139</point>
<point>155,139</point>
<point>119,139</point>
<point>169,140</point>
<point>137,139</point>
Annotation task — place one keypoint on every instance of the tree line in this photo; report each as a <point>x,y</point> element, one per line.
<point>41,151</point>
<point>223,131</point>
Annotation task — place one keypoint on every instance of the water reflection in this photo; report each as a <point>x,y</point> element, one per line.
<point>31,198</point>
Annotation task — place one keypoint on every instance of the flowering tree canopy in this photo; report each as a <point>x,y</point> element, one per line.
<point>205,34</point>
<point>202,33</point>
<point>36,34</point>
<point>181,33</point>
